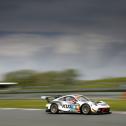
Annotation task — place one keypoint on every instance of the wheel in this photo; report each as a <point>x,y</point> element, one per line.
<point>85,109</point>
<point>54,108</point>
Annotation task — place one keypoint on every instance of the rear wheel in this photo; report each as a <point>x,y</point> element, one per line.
<point>54,108</point>
<point>85,109</point>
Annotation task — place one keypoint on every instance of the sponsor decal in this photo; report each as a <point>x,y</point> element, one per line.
<point>66,106</point>
<point>72,107</point>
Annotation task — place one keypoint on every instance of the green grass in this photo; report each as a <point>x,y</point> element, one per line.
<point>103,83</point>
<point>114,83</point>
<point>116,105</point>
<point>22,104</point>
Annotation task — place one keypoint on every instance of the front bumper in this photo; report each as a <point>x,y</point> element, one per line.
<point>104,110</point>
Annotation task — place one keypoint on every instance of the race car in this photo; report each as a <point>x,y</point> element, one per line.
<point>75,103</point>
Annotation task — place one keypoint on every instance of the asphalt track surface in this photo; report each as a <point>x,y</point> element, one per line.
<point>40,118</point>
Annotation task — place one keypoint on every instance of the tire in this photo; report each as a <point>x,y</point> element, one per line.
<point>85,109</point>
<point>54,108</point>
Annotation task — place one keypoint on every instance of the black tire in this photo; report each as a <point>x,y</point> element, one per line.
<point>54,108</point>
<point>85,109</point>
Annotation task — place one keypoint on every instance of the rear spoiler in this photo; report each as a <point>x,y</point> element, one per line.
<point>50,98</point>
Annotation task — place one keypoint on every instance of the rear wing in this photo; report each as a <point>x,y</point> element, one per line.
<point>49,98</point>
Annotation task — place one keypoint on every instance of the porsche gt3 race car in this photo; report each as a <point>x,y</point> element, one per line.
<point>75,103</point>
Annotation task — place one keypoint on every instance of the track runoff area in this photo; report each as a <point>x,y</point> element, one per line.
<point>38,117</point>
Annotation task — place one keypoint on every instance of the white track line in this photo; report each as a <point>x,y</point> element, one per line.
<point>119,112</point>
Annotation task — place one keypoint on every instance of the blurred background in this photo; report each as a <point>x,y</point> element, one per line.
<point>62,46</point>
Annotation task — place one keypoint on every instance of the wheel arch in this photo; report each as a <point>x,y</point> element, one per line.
<point>57,109</point>
<point>85,104</point>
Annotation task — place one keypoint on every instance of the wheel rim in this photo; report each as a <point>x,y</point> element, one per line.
<point>85,109</point>
<point>54,108</point>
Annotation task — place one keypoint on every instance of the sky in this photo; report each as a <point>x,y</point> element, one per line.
<point>46,35</point>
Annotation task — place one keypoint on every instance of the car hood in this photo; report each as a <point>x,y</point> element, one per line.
<point>97,103</point>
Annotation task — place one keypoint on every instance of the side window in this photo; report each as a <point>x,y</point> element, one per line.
<point>70,98</point>
<point>63,99</point>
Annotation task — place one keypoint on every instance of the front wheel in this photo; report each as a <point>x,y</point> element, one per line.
<point>54,108</point>
<point>85,109</point>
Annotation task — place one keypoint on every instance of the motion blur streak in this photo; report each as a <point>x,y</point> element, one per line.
<point>88,35</point>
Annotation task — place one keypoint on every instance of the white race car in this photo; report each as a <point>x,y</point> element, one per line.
<point>75,103</point>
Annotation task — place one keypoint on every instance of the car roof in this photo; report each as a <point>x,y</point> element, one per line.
<point>73,95</point>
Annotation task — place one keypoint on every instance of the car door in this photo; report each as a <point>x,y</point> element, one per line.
<point>69,104</point>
